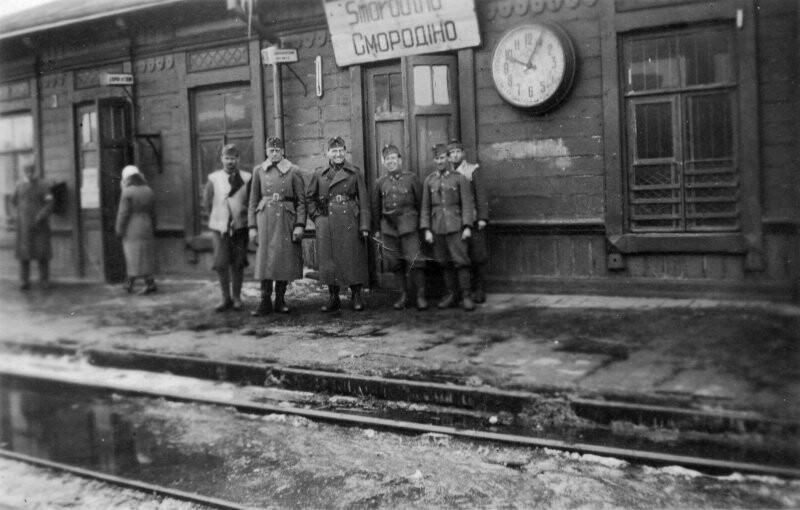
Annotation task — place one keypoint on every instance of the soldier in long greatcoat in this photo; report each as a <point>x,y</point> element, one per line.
<point>478,252</point>
<point>338,203</point>
<point>396,200</point>
<point>446,217</point>
<point>277,219</point>
<point>33,202</point>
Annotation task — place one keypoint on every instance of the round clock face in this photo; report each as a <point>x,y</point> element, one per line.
<point>533,66</point>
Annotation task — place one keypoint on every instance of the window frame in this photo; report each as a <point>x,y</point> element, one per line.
<point>9,221</point>
<point>620,19</point>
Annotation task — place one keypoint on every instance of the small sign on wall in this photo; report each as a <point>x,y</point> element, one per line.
<point>116,79</point>
<point>371,30</point>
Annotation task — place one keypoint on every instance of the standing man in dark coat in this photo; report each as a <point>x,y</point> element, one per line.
<point>33,202</point>
<point>225,198</point>
<point>396,199</point>
<point>478,254</point>
<point>446,217</point>
<point>277,219</point>
<point>338,204</point>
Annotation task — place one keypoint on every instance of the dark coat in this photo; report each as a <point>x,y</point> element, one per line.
<point>34,203</point>
<point>338,204</point>
<point>395,204</point>
<point>136,223</point>
<point>447,204</point>
<point>277,206</point>
<point>479,193</point>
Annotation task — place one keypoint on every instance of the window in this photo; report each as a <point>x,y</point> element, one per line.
<point>680,100</point>
<point>430,85</point>
<point>221,116</point>
<point>16,151</point>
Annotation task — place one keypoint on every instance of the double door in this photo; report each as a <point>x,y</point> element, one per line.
<point>413,104</point>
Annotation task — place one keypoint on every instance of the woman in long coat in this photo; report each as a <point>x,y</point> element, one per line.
<point>136,223</point>
<point>277,219</point>
<point>33,201</point>
<point>338,204</point>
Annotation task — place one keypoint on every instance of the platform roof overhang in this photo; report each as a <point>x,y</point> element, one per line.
<point>61,13</point>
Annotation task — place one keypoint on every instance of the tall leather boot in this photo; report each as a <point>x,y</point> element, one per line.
<point>334,303</point>
<point>418,276</point>
<point>225,288</point>
<point>401,280</point>
<point>466,292</point>
<point>265,305</point>
<point>237,278</point>
<point>478,283</point>
<point>450,284</point>
<point>355,292</point>
<point>25,274</point>
<point>280,296</point>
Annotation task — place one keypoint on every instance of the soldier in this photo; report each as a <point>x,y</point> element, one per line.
<point>33,202</point>
<point>446,217</point>
<point>277,219</point>
<point>478,254</point>
<point>396,199</point>
<point>225,198</point>
<point>338,204</point>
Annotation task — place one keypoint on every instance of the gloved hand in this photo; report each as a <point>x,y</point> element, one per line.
<point>429,237</point>
<point>466,233</point>
<point>481,224</point>
<point>297,234</point>
<point>253,234</point>
<point>365,233</point>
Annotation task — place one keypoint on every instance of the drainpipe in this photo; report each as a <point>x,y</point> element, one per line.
<point>277,96</point>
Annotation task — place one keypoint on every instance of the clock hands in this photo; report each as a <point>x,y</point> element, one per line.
<point>530,64</point>
<point>518,61</point>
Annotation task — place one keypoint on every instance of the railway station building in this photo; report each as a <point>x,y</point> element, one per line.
<point>636,147</point>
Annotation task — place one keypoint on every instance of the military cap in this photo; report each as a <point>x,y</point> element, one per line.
<point>439,149</point>
<point>230,150</point>
<point>336,142</point>
<point>454,144</point>
<point>390,149</point>
<point>273,142</point>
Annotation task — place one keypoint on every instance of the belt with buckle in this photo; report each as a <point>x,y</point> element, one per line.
<point>340,199</point>
<point>277,197</point>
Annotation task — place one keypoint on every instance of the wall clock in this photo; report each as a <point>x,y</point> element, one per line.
<point>533,66</point>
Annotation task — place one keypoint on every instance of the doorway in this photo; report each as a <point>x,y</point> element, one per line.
<point>103,139</point>
<point>413,104</point>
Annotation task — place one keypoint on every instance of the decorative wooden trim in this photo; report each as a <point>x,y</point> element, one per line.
<point>575,226</point>
<point>683,243</point>
<point>519,8</point>
<point>20,89</point>
<point>781,226</point>
<point>467,102</point>
<point>217,58</point>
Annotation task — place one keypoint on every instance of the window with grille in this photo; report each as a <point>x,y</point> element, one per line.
<point>16,151</point>
<point>221,116</point>
<point>680,94</point>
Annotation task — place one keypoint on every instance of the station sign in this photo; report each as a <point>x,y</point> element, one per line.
<point>275,55</point>
<point>113,79</point>
<point>365,31</point>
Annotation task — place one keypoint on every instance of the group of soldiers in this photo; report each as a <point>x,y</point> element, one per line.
<point>443,219</point>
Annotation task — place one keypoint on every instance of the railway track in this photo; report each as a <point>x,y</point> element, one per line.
<point>712,465</point>
<point>128,483</point>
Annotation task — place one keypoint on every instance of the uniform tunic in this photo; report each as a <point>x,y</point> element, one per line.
<point>338,204</point>
<point>478,252</point>
<point>136,223</point>
<point>447,207</point>
<point>34,202</point>
<point>277,206</point>
<point>396,199</point>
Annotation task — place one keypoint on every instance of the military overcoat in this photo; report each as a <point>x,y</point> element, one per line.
<point>136,223</point>
<point>34,203</point>
<point>277,205</point>
<point>338,204</point>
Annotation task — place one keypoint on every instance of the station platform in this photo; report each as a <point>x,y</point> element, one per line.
<point>737,356</point>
